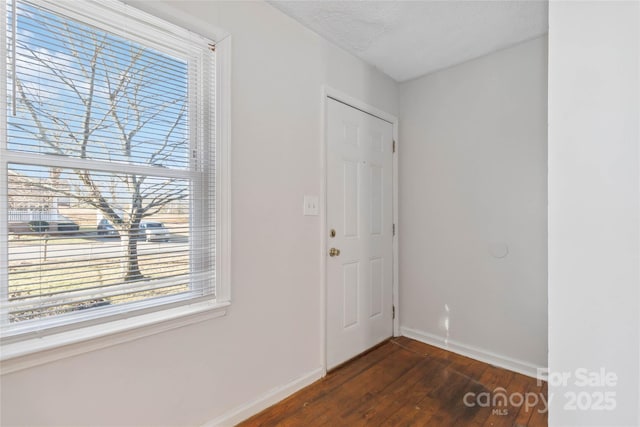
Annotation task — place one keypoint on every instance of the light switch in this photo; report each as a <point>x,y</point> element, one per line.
<point>311,205</point>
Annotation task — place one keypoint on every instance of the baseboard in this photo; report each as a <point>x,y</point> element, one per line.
<point>271,397</point>
<point>500,361</point>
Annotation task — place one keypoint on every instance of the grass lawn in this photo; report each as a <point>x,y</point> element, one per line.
<point>39,279</point>
<point>53,240</point>
<point>84,235</point>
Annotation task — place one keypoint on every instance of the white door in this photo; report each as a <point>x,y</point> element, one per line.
<point>360,212</point>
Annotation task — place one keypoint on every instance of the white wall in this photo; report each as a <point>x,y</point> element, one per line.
<point>594,196</point>
<point>473,167</point>
<point>272,333</point>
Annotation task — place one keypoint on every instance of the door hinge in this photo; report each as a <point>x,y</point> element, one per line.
<point>394,229</point>
<point>393,311</point>
<point>394,145</point>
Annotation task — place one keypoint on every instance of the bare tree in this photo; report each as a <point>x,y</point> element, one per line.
<point>105,100</point>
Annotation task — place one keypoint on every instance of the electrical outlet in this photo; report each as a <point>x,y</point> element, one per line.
<point>311,206</point>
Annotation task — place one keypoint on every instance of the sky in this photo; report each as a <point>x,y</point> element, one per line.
<point>129,101</point>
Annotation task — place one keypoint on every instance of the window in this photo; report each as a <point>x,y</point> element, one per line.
<point>108,170</point>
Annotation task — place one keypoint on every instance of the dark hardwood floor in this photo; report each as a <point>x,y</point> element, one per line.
<point>407,383</point>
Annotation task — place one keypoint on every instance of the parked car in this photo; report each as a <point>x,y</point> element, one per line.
<point>58,225</point>
<point>153,231</point>
<point>67,225</point>
<point>39,226</point>
<point>106,229</point>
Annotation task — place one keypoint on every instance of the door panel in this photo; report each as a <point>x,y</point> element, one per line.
<point>359,208</point>
<point>351,186</point>
<point>351,283</point>
<point>377,288</point>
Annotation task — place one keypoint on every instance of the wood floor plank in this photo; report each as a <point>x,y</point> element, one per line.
<point>507,406</point>
<point>407,390</point>
<point>413,415</point>
<point>424,349</point>
<point>406,383</point>
<point>540,413</point>
<point>342,401</point>
<point>450,395</point>
<point>376,410</point>
<point>320,388</point>
<point>525,412</point>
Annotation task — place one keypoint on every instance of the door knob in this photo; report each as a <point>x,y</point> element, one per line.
<point>334,252</point>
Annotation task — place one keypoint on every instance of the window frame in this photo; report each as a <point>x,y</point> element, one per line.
<point>94,332</point>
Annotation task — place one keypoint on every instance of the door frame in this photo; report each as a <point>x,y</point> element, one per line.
<point>331,93</point>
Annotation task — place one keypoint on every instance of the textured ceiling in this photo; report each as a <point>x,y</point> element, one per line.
<point>406,39</point>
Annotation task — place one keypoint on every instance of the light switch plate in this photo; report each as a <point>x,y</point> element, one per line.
<point>310,206</point>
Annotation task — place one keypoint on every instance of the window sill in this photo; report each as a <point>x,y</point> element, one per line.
<point>37,351</point>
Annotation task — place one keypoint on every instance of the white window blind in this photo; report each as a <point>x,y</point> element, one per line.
<point>108,165</point>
